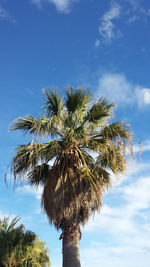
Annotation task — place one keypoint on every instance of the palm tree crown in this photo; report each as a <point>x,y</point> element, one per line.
<point>83,146</point>
<point>20,247</point>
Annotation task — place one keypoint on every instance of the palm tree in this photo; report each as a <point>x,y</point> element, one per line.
<point>13,241</point>
<point>19,247</point>
<point>75,128</point>
<point>38,255</point>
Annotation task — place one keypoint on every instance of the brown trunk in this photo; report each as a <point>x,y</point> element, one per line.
<point>71,244</point>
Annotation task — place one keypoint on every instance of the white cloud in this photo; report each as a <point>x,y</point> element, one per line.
<point>121,91</point>
<point>137,11</point>
<point>38,3</point>
<point>5,15</point>
<point>133,19</point>
<point>134,3</point>
<point>26,189</point>
<point>109,256</point>
<point>62,6</point>
<point>144,96</point>
<point>116,87</point>
<point>107,28</point>
<point>128,11</point>
<point>137,195</point>
<point>134,197</point>
<point>138,7</point>
<point>125,222</point>
<point>97,43</point>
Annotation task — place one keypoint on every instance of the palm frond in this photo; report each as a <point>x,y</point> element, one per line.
<point>50,150</point>
<point>77,100</point>
<point>102,176</point>
<point>20,247</point>
<point>53,103</point>
<point>116,130</point>
<point>98,145</point>
<point>26,123</point>
<point>39,175</point>
<point>113,158</point>
<point>88,159</point>
<point>41,126</point>
<point>27,157</point>
<point>100,110</point>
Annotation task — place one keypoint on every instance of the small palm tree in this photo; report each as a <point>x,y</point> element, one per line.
<point>19,247</point>
<point>73,179</point>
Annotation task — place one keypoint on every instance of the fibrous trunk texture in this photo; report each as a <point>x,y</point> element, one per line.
<point>71,244</point>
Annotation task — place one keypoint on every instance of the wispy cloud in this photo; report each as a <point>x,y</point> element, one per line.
<point>126,225</point>
<point>121,91</point>
<point>38,3</point>
<point>107,28</point>
<point>126,12</point>
<point>63,6</point>
<point>4,15</point>
<point>137,11</point>
<point>97,43</point>
<point>138,7</point>
<point>26,189</point>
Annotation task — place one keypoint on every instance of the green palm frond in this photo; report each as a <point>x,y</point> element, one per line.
<point>100,111</point>
<point>20,246</point>
<point>26,158</point>
<point>77,100</point>
<point>29,156</point>
<point>97,144</point>
<point>53,104</point>
<point>50,150</point>
<point>116,130</point>
<point>102,175</point>
<point>88,159</point>
<point>113,159</point>
<point>26,124</point>
<point>39,175</point>
<point>41,127</point>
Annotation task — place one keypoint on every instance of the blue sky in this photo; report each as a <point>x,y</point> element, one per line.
<point>102,45</point>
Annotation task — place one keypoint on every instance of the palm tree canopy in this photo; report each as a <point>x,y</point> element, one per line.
<point>20,247</point>
<point>83,146</point>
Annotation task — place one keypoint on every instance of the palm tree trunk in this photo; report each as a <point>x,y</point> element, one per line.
<point>71,244</point>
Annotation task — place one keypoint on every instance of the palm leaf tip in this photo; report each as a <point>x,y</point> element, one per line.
<point>25,123</point>
<point>117,130</point>
<point>100,110</point>
<point>77,99</point>
<point>53,102</point>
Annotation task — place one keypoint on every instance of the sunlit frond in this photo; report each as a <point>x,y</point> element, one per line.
<point>27,157</point>
<point>117,130</point>
<point>77,100</point>
<point>50,150</point>
<point>113,159</point>
<point>102,175</point>
<point>88,159</point>
<point>97,144</point>
<point>53,103</point>
<point>100,111</point>
<point>20,247</point>
<point>41,127</point>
